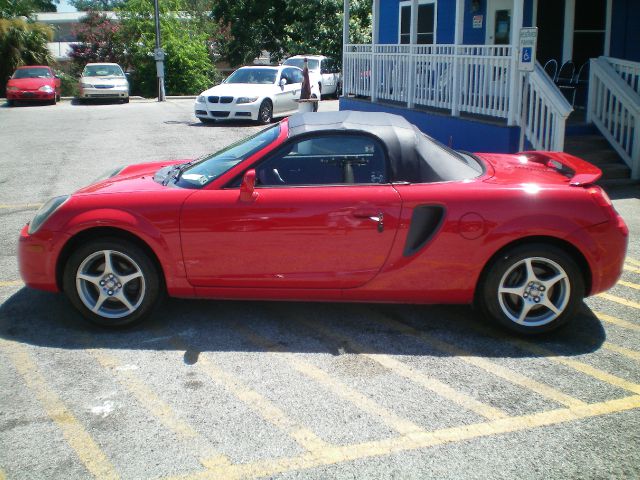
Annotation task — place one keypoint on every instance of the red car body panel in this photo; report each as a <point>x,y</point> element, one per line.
<point>326,242</point>
<point>28,88</point>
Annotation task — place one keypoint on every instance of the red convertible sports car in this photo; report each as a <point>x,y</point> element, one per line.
<point>338,206</point>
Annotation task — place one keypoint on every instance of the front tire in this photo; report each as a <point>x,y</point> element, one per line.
<point>532,289</point>
<point>112,282</point>
<point>265,114</point>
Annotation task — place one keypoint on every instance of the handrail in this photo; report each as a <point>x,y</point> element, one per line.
<point>546,113</point>
<point>628,70</point>
<point>614,108</point>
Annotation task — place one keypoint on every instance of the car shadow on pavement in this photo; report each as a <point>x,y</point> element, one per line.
<point>226,123</point>
<point>48,320</point>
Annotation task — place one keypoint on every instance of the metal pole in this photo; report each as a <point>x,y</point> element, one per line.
<point>158,54</point>
<point>524,111</point>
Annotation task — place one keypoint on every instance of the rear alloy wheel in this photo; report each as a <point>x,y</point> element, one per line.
<point>532,289</point>
<point>112,282</point>
<point>265,114</point>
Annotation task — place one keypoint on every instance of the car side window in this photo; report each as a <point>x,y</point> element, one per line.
<point>296,76</point>
<point>325,160</point>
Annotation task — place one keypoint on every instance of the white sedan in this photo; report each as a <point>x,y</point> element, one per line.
<point>256,93</point>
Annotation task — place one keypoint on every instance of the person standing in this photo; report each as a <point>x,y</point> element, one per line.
<point>305,93</point>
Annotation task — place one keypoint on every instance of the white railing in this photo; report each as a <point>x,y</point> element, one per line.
<point>426,75</point>
<point>614,107</point>
<point>628,71</point>
<point>546,111</point>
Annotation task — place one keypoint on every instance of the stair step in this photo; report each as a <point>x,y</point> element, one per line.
<point>586,143</point>
<point>598,157</point>
<point>614,171</point>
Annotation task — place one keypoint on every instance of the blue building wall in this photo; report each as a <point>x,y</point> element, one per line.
<point>459,133</point>
<point>625,30</point>
<point>446,20</point>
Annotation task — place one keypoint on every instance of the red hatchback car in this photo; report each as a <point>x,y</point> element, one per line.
<point>34,83</point>
<point>338,206</point>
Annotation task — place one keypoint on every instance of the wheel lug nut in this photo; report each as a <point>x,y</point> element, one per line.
<point>525,295</point>
<point>102,283</point>
<point>536,299</point>
<point>110,292</point>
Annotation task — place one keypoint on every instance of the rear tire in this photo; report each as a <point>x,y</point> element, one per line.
<point>532,289</point>
<point>10,103</point>
<point>112,282</point>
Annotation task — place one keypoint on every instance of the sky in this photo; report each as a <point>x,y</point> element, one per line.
<point>63,6</point>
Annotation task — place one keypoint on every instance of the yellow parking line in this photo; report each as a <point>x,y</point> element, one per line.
<point>620,300</point>
<point>415,376</point>
<point>11,283</point>
<point>616,321</point>
<point>341,454</point>
<point>632,261</point>
<point>486,365</point>
<point>631,269</point>
<point>78,438</point>
<point>145,396</point>
<point>627,352</point>
<point>629,284</point>
<point>361,401</point>
<point>579,366</point>
<point>2,475</point>
<point>20,206</point>
<point>258,403</point>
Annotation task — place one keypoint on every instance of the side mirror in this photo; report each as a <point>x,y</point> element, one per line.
<point>248,186</point>
<point>283,82</point>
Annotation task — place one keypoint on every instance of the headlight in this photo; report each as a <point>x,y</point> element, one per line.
<point>200,99</point>
<point>246,99</point>
<point>12,89</point>
<point>45,212</point>
<point>46,88</point>
<point>86,85</point>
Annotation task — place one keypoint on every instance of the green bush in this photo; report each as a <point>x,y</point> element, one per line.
<point>69,84</point>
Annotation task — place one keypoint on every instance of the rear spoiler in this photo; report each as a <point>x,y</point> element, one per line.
<point>579,172</point>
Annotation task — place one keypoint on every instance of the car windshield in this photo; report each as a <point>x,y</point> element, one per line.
<point>299,62</point>
<point>253,75</point>
<point>32,73</point>
<point>102,71</point>
<point>211,167</point>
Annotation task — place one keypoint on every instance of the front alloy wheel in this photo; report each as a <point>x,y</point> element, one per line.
<point>265,114</point>
<point>112,282</point>
<point>533,289</point>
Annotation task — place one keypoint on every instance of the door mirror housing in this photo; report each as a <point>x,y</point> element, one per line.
<point>283,82</point>
<point>248,186</point>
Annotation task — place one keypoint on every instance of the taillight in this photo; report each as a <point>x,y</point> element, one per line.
<point>601,198</point>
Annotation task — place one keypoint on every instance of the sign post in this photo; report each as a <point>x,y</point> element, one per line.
<point>158,54</point>
<point>526,65</point>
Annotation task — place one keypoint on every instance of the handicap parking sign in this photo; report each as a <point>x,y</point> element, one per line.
<point>528,42</point>
<point>526,55</point>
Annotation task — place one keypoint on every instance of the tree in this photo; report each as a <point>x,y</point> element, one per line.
<point>284,27</point>
<point>26,8</point>
<point>188,64</point>
<point>22,43</point>
<point>99,42</point>
<point>96,5</point>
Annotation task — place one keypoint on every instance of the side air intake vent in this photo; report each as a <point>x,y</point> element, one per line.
<point>425,222</point>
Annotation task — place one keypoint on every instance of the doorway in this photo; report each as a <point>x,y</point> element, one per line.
<point>499,14</point>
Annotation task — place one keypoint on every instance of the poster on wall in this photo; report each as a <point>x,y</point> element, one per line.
<point>477,21</point>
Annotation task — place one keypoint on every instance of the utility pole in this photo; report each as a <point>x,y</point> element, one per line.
<point>158,54</point>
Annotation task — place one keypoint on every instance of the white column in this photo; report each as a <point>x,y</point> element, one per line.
<point>569,24</point>
<point>414,23</point>
<point>457,40</point>
<point>413,40</point>
<point>345,24</point>
<point>515,95</point>
<point>375,29</point>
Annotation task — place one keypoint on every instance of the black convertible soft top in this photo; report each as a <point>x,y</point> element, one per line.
<point>413,156</point>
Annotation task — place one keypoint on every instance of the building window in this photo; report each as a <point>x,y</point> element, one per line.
<point>426,22</point>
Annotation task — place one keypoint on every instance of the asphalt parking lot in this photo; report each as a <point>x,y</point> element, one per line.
<point>223,390</point>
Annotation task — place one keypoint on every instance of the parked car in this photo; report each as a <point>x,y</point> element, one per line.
<point>103,81</point>
<point>253,93</point>
<point>323,71</point>
<point>335,206</point>
<point>33,83</point>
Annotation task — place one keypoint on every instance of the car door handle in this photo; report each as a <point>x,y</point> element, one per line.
<point>374,217</point>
